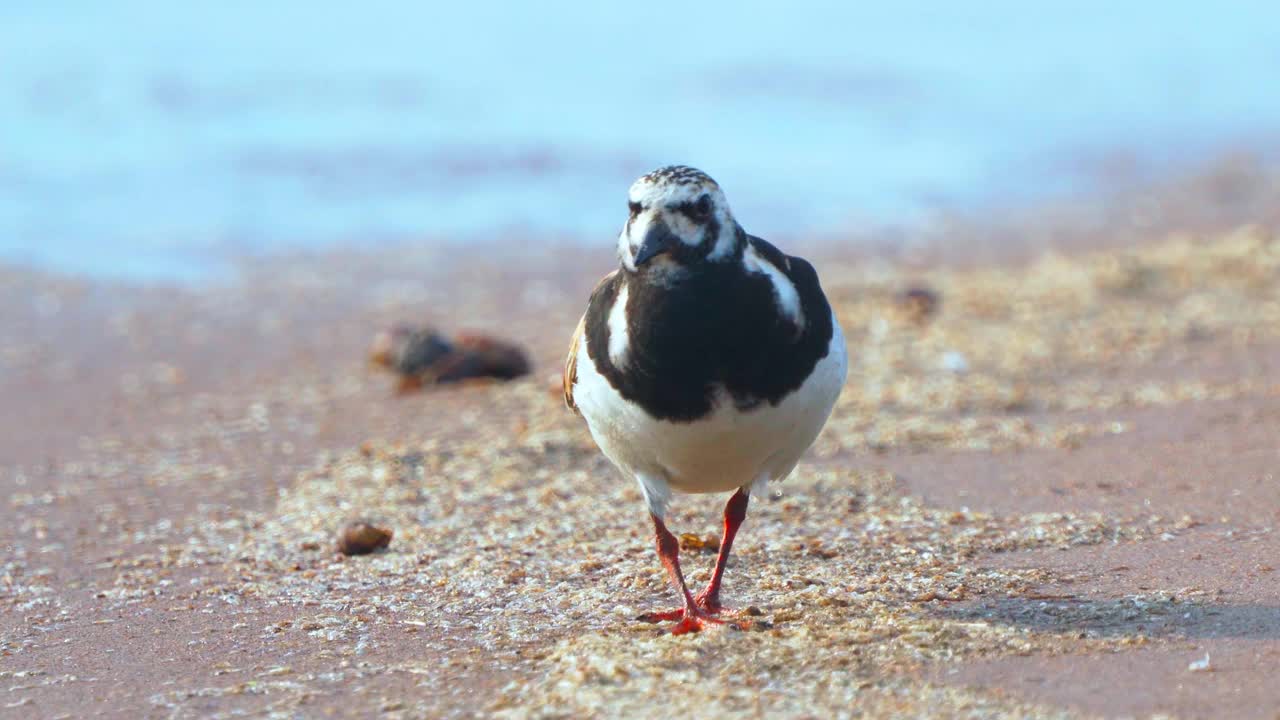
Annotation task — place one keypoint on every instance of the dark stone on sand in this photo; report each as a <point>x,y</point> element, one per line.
<point>490,357</point>
<point>409,351</point>
<point>424,356</point>
<point>362,537</point>
<point>919,303</point>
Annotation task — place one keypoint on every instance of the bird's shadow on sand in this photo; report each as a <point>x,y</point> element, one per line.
<point>1124,617</point>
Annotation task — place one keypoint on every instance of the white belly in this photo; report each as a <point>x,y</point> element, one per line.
<point>729,449</point>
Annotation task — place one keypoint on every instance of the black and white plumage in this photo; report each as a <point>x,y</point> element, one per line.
<point>708,362</point>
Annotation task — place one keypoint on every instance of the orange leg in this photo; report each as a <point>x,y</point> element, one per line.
<point>735,511</point>
<point>691,618</point>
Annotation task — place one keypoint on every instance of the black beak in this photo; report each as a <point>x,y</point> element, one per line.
<point>657,240</point>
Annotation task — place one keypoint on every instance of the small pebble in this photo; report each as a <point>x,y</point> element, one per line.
<point>692,542</point>
<point>1201,665</point>
<point>918,304</point>
<point>362,537</point>
<point>953,361</point>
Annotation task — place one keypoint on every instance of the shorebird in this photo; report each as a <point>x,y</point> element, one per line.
<point>707,362</point>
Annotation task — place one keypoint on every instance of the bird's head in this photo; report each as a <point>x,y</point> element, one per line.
<point>679,218</point>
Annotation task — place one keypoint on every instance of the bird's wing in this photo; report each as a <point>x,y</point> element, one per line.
<point>571,365</point>
<point>798,296</point>
<point>571,362</point>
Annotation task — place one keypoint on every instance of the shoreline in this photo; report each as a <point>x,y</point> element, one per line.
<point>1086,509</point>
<point>1213,195</point>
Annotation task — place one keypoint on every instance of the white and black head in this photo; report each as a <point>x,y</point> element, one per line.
<point>679,217</point>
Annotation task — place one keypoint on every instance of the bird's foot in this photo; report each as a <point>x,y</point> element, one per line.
<point>661,616</point>
<point>687,619</point>
<point>694,622</point>
<point>709,602</point>
<point>708,606</point>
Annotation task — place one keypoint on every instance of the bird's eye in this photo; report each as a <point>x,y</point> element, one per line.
<point>699,211</point>
<point>634,207</point>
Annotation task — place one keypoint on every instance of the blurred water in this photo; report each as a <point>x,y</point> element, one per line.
<point>147,139</point>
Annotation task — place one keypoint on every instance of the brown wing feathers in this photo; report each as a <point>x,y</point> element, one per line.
<point>571,362</point>
<point>571,365</point>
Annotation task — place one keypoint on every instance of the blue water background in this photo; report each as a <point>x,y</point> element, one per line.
<point>148,139</point>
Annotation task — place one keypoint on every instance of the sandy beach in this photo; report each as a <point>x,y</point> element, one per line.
<point>1055,496</point>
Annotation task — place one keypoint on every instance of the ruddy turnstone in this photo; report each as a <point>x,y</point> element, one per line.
<point>708,362</point>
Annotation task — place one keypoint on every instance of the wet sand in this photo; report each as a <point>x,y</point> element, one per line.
<point>1052,498</point>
